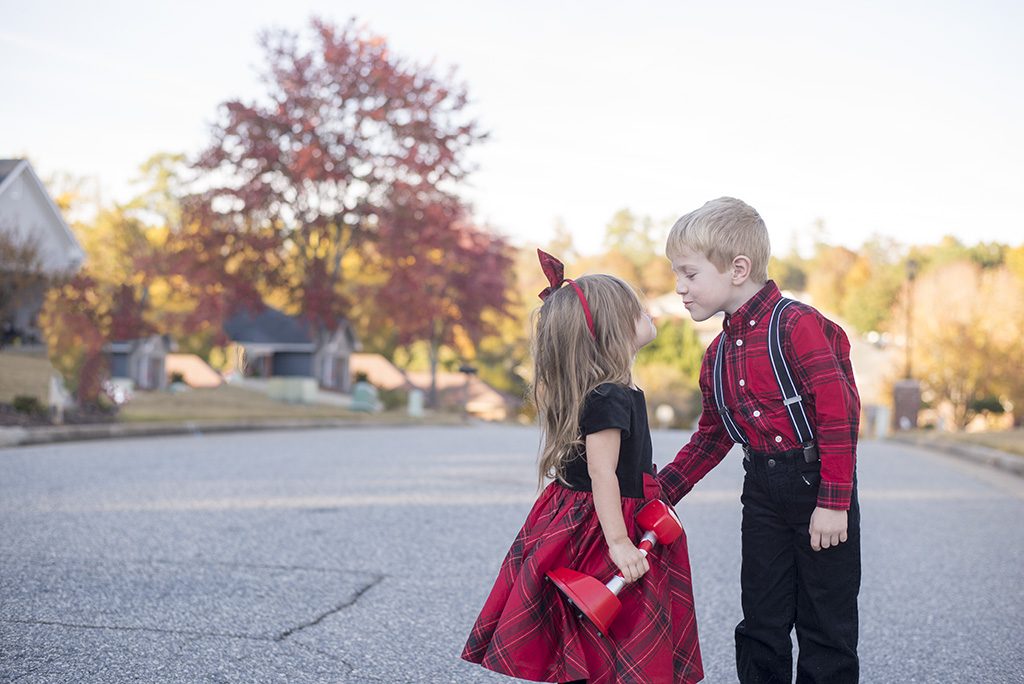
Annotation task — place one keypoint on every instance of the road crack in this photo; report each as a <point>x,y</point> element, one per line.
<point>337,609</point>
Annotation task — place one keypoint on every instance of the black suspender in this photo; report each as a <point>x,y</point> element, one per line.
<point>791,398</point>
<point>730,425</point>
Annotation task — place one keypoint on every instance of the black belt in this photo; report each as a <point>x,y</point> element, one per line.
<point>809,450</point>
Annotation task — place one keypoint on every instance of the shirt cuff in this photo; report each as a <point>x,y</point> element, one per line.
<point>835,495</point>
<point>673,485</point>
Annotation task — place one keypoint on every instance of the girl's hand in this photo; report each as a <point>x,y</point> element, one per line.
<point>630,561</point>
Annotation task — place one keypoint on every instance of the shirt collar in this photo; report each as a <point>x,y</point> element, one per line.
<point>753,311</point>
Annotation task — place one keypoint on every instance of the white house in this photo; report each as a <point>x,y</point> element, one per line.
<point>28,216</point>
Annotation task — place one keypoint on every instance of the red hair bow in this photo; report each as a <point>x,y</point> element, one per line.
<point>555,272</point>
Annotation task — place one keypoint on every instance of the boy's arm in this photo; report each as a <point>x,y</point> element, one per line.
<point>706,448</point>
<point>835,401</point>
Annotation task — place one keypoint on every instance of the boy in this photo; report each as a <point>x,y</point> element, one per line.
<point>801,520</point>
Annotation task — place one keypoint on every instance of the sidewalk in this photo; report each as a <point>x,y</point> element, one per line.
<point>24,436</point>
<point>1002,460</point>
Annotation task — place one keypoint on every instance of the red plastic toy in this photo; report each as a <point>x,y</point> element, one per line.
<point>598,602</point>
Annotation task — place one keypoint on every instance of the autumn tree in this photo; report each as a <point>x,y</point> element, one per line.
<point>107,300</point>
<point>448,281</point>
<point>789,272</point>
<point>967,337</point>
<point>76,320</point>
<point>307,167</point>
<point>826,276</point>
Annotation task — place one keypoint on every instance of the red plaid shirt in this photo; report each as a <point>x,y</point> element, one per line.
<point>818,353</point>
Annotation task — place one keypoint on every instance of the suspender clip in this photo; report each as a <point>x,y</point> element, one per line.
<point>811,452</point>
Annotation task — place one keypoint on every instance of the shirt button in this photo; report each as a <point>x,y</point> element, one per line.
<point>743,383</point>
<point>778,438</point>
<point>739,343</point>
<point>753,323</point>
<point>757,414</point>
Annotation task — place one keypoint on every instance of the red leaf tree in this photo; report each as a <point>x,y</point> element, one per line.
<point>443,273</point>
<point>310,164</point>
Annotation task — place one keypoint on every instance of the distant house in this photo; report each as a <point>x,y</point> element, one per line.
<point>478,398</point>
<point>28,216</point>
<point>142,361</point>
<point>379,371</point>
<point>278,345</point>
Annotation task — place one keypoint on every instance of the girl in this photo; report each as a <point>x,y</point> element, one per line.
<point>597,447</point>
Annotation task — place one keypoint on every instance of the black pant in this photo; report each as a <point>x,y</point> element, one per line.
<point>785,582</point>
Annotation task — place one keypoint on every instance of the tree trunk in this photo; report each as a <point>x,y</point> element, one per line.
<point>432,392</point>
<point>435,351</point>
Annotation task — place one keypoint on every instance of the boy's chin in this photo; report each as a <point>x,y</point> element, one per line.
<point>700,316</point>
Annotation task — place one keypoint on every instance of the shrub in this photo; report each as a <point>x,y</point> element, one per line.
<point>30,405</point>
<point>393,399</point>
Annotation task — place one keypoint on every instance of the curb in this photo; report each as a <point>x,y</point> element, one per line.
<point>22,436</point>
<point>979,454</point>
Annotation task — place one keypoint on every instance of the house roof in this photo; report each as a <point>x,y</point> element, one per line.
<point>7,167</point>
<point>164,343</point>
<point>61,251</point>
<point>195,371</point>
<point>269,326</point>
<point>452,385</point>
<point>381,372</point>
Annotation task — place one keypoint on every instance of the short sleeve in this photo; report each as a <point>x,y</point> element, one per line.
<point>607,407</point>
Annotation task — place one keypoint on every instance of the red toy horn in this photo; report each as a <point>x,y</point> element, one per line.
<point>598,602</point>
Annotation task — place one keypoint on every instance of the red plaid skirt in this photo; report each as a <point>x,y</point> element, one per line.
<point>526,629</point>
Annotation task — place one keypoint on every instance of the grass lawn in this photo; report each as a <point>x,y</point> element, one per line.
<point>233,403</point>
<point>1011,441</point>
<point>24,374</point>
<point>219,403</point>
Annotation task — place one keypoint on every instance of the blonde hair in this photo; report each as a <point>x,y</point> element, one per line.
<point>569,362</point>
<point>721,230</point>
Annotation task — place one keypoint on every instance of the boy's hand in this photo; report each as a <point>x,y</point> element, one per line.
<point>828,528</point>
<point>630,561</point>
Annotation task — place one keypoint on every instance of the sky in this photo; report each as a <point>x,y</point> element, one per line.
<point>893,119</point>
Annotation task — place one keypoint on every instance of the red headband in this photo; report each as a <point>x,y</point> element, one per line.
<point>555,271</point>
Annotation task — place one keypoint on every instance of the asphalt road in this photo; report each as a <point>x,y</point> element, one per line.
<point>363,555</point>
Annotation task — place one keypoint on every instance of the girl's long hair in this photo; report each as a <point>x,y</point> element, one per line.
<point>569,363</point>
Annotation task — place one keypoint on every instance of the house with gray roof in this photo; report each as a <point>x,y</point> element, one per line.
<point>278,345</point>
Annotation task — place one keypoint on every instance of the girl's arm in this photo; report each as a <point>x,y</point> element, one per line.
<point>602,459</point>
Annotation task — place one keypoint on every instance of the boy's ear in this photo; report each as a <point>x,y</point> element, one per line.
<point>740,269</point>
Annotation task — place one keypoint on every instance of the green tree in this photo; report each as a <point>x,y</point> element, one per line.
<point>676,345</point>
<point>668,369</point>
<point>872,286</point>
